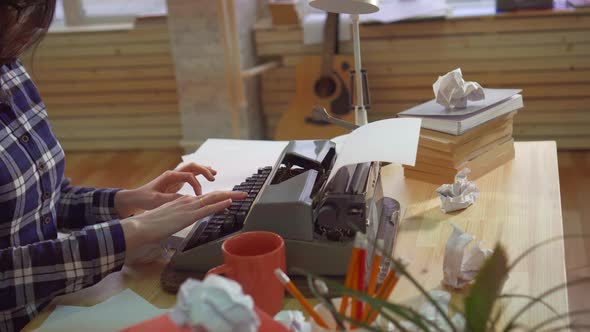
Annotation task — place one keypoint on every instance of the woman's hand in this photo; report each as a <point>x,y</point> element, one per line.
<point>161,190</point>
<point>160,223</point>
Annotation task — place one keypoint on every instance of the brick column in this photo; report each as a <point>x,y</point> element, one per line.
<point>211,44</point>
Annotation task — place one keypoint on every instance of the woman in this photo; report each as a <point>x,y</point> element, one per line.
<point>36,200</point>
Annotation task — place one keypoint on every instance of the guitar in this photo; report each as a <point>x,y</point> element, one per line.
<point>320,81</point>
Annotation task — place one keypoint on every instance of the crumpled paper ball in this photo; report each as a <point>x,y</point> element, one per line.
<point>459,268</point>
<point>429,312</point>
<point>459,195</point>
<point>294,320</point>
<point>214,304</point>
<point>451,91</point>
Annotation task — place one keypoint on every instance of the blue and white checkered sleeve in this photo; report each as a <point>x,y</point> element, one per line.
<point>43,270</point>
<point>79,207</point>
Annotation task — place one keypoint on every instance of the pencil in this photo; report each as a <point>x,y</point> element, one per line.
<point>361,280</point>
<point>286,281</point>
<point>348,281</point>
<point>386,295</point>
<point>354,286</point>
<point>358,283</point>
<point>380,291</point>
<point>375,265</point>
<point>383,293</point>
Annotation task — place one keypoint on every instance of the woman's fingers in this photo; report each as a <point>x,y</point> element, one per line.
<point>174,188</point>
<point>208,172</point>
<point>213,171</point>
<point>218,196</point>
<point>173,178</point>
<point>166,198</point>
<point>212,208</point>
<point>202,206</point>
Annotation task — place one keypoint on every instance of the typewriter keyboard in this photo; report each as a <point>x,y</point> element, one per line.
<point>232,219</point>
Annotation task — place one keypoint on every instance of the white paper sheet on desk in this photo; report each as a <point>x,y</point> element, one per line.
<point>234,160</point>
<point>61,312</point>
<point>390,140</point>
<point>120,311</point>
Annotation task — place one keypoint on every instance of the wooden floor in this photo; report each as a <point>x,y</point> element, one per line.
<point>131,169</point>
<point>574,177</point>
<point>121,169</point>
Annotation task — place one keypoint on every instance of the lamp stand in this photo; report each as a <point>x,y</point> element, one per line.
<point>360,112</point>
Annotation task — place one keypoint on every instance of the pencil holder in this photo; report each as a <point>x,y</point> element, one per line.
<point>325,314</point>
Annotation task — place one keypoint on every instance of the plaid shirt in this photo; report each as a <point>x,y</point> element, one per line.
<point>36,200</point>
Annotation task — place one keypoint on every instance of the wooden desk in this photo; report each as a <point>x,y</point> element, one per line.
<point>519,206</point>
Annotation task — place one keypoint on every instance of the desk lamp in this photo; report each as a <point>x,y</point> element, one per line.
<point>354,8</point>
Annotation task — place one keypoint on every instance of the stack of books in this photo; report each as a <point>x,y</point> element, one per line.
<point>478,137</point>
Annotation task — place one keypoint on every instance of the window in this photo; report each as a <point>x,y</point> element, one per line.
<point>110,8</point>
<point>462,8</point>
<point>72,13</point>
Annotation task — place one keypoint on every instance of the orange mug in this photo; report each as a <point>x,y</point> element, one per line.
<point>250,259</point>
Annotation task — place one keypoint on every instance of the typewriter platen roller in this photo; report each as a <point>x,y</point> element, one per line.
<point>317,219</point>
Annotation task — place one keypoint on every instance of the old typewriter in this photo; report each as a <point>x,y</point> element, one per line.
<point>293,198</point>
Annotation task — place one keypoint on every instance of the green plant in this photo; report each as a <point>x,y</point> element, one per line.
<point>483,305</point>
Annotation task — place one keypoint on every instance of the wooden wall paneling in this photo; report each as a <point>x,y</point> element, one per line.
<point>563,143</point>
<point>102,98</point>
<point>474,66</point>
<point>545,53</point>
<point>510,23</point>
<point>117,133</point>
<point>507,23</point>
<point>109,89</point>
<point>110,144</point>
<point>480,65</point>
<point>113,109</point>
<point>98,62</point>
<point>98,50</point>
<point>140,35</point>
<point>425,44</point>
<point>111,86</point>
<point>555,117</point>
<point>47,75</point>
<point>574,129</point>
<point>516,52</point>
<point>146,120</point>
<point>282,79</point>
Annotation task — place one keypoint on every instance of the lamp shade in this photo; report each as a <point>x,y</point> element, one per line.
<point>347,6</point>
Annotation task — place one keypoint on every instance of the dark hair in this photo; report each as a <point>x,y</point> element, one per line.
<point>22,24</point>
